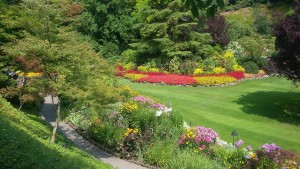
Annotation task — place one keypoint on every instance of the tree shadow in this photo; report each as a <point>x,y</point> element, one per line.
<point>281,106</point>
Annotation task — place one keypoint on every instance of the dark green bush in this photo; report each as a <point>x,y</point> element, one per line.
<point>237,30</point>
<point>250,67</point>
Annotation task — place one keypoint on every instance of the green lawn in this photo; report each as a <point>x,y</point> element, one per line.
<point>261,111</point>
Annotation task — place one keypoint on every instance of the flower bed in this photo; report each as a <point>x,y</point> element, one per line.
<point>170,79</point>
<point>142,128</point>
<point>175,79</point>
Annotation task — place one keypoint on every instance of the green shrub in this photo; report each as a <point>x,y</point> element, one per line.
<point>159,153</point>
<point>250,67</point>
<point>230,158</point>
<point>238,30</point>
<point>107,134</point>
<point>184,159</point>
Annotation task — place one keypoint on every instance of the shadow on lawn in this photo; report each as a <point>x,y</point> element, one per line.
<point>281,106</point>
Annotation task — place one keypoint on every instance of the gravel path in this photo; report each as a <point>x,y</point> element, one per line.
<point>49,115</point>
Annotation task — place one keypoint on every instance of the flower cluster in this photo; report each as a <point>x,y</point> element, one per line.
<point>198,137</point>
<point>129,107</point>
<point>271,151</point>
<point>239,143</point>
<point>131,134</point>
<point>143,100</point>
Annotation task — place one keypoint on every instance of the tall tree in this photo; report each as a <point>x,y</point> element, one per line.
<point>109,23</point>
<point>168,30</point>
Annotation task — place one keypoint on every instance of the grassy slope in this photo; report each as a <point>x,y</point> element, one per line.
<point>261,111</point>
<point>25,143</point>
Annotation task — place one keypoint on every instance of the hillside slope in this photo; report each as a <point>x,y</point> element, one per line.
<point>25,143</point>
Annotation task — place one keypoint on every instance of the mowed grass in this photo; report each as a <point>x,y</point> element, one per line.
<point>261,111</point>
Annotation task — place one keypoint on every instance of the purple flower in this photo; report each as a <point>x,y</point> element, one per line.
<point>249,148</point>
<point>239,143</point>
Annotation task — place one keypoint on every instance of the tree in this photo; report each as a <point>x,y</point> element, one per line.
<point>168,31</point>
<point>71,69</point>
<point>109,23</point>
<point>210,6</point>
<point>287,43</point>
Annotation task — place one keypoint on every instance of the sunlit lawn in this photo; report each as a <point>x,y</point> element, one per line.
<point>261,111</point>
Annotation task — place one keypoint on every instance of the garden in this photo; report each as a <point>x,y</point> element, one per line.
<point>166,84</point>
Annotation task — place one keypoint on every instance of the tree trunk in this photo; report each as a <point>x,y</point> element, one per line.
<point>57,111</point>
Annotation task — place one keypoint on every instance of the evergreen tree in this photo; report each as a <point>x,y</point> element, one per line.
<point>169,31</point>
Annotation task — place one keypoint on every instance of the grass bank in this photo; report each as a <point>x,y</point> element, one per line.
<point>25,143</point>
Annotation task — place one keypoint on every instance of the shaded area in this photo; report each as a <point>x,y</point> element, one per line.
<point>281,106</point>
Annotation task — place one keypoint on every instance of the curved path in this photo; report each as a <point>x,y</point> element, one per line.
<point>48,114</point>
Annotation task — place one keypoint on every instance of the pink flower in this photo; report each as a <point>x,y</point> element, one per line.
<point>203,147</point>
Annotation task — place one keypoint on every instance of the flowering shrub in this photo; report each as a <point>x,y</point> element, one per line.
<point>237,67</point>
<point>143,68</point>
<point>199,138</point>
<point>214,80</point>
<point>198,71</point>
<point>219,70</point>
<point>133,77</point>
<point>171,79</point>
<point>127,93</point>
<point>239,143</point>
<point>129,66</point>
<point>129,107</point>
<point>154,70</point>
<point>129,143</point>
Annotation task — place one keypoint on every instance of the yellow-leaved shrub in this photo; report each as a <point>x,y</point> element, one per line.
<point>134,77</point>
<point>219,70</point>
<point>198,71</point>
<point>237,67</point>
<point>143,68</point>
<point>153,70</point>
<point>214,80</point>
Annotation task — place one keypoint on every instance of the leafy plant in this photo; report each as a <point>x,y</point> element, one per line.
<point>250,67</point>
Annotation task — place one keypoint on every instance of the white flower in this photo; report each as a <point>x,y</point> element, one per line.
<point>185,125</point>
<point>158,113</point>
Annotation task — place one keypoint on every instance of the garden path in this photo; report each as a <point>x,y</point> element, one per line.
<point>48,114</point>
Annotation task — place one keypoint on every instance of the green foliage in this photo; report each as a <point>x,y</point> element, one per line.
<point>238,30</point>
<point>160,153</point>
<point>25,144</point>
<point>107,134</point>
<point>250,67</point>
<point>10,29</point>
<point>263,22</point>
<point>184,159</point>
<point>230,158</point>
<point>87,83</point>
<point>169,33</point>
<point>109,23</point>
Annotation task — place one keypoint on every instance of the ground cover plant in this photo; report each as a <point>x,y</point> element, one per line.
<point>25,143</point>
<point>258,109</point>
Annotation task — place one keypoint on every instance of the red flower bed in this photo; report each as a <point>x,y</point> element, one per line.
<point>169,79</point>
